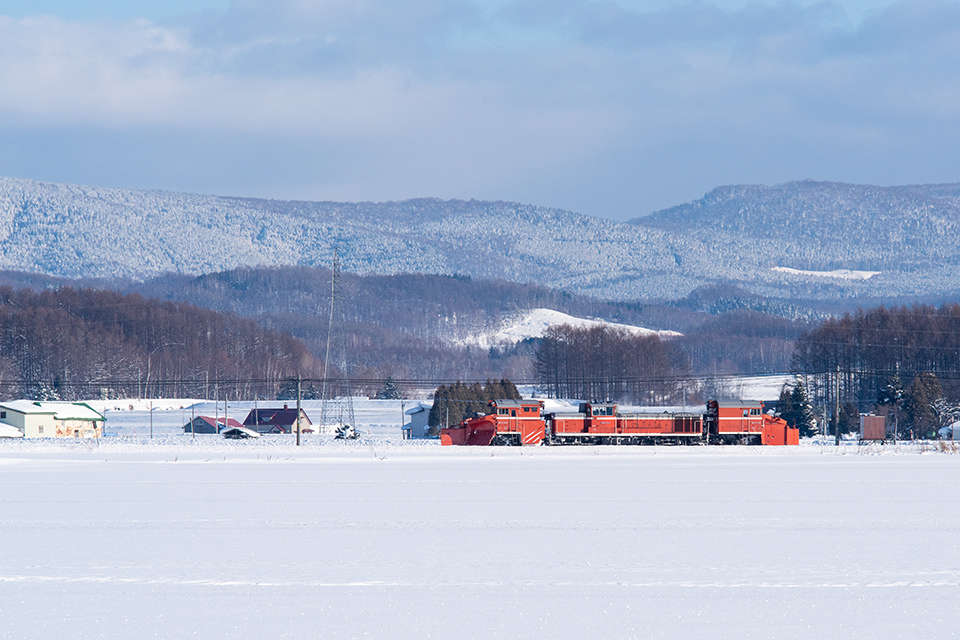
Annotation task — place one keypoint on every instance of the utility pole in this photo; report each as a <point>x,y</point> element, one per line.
<point>299,395</point>
<point>836,406</point>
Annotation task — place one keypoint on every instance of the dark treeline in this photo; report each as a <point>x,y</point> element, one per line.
<point>861,353</point>
<point>741,341</point>
<point>454,402</point>
<point>82,343</point>
<point>413,326</point>
<point>603,363</point>
<point>407,325</point>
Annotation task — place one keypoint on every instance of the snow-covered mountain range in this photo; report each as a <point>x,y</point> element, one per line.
<point>785,241</point>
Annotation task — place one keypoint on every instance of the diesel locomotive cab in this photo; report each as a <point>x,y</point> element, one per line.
<point>510,422</point>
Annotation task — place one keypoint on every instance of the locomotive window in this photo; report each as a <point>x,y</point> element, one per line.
<point>746,412</point>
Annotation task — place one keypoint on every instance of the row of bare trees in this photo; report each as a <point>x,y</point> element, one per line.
<point>856,355</point>
<point>76,343</point>
<point>602,363</point>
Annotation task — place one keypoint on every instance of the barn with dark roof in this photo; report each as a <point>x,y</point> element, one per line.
<point>272,420</point>
<point>209,424</point>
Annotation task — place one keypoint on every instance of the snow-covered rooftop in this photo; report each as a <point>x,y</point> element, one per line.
<point>28,407</point>
<point>69,411</point>
<point>59,410</point>
<point>10,431</point>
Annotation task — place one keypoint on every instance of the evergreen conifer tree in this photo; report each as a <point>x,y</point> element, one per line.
<point>920,403</point>
<point>891,393</point>
<point>390,390</point>
<point>785,406</point>
<point>804,418</point>
<point>461,400</point>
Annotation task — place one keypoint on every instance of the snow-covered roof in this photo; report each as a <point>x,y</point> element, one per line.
<point>417,409</point>
<point>515,404</point>
<point>59,410</point>
<point>217,422</point>
<point>10,431</point>
<point>239,432</point>
<point>28,407</point>
<point>70,411</point>
<point>738,403</point>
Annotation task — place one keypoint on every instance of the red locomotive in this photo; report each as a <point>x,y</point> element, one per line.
<point>522,422</point>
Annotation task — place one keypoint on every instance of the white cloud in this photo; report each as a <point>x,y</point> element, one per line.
<point>591,105</point>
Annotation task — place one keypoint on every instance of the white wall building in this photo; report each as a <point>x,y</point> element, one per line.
<point>52,419</point>
<point>416,426</point>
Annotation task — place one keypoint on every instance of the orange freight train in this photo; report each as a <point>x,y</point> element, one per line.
<point>522,422</point>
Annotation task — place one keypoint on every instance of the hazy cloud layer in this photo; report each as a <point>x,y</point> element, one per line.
<point>592,106</point>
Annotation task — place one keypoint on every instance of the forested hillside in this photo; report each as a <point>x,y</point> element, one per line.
<point>787,241</point>
<point>83,343</point>
<point>415,326</point>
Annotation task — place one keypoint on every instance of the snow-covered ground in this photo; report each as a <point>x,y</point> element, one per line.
<point>181,537</point>
<point>133,417</point>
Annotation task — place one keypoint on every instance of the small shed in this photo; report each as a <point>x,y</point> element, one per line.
<point>209,424</point>
<point>417,425</point>
<point>276,420</point>
<point>873,428</point>
<point>239,432</point>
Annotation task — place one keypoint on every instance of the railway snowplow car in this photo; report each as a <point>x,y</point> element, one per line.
<point>511,422</point>
<point>746,423</point>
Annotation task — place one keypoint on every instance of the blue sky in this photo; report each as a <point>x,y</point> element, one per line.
<point>610,108</point>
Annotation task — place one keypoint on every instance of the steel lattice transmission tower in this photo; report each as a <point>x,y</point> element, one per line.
<point>337,411</point>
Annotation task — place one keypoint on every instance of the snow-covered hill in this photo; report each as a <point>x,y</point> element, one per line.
<point>534,324</point>
<point>907,237</point>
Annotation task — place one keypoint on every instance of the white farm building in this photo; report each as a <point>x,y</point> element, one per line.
<point>52,419</point>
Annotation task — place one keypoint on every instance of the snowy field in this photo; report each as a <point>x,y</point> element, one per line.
<point>179,537</point>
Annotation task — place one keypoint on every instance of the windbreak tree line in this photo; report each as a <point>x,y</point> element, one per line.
<point>858,354</point>
<point>80,343</point>
<point>606,363</point>
<point>901,362</point>
<point>454,402</point>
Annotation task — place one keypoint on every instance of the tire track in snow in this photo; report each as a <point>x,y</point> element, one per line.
<point>681,584</point>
